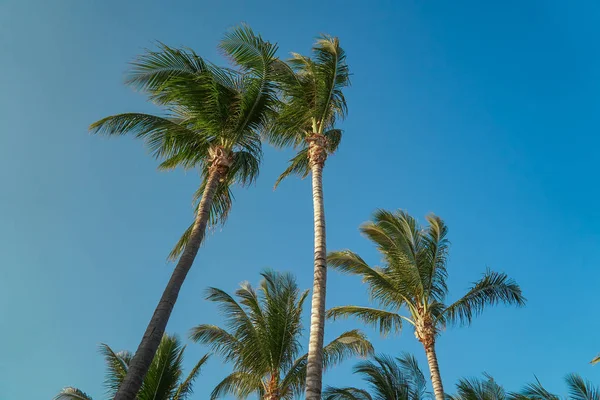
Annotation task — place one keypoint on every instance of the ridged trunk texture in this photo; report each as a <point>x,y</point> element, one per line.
<point>434,369</point>
<point>156,328</point>
<point>314,367</point>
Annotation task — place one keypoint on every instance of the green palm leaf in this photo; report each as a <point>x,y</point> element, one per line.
<point>493,288</point>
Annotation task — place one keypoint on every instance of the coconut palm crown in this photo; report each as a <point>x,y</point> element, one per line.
<point>262,339</point>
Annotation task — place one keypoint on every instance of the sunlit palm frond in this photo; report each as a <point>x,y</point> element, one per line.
<point>381,286</point>
<point>299,165</point>
<point>348,344</point>
<point>384,320</point>
<point>153,70</point>
<point>492,289</point>
<point>165,137</point>
<point>238,383</point>
<point>432,258</point>
<point>185,388</point>
<point>165,372</point>
<point>116,365</point>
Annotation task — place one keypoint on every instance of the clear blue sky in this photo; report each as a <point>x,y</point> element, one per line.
<point>485,113</point>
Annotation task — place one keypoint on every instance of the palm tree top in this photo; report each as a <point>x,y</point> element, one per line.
<point>413,274</point>
<point>261,338</point>
<point>312,100</point>
<point>212,116</point>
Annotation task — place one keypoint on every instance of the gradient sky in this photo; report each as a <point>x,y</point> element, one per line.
<point>485,113</point>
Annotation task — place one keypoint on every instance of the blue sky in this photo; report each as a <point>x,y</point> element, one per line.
<point>485,113</point>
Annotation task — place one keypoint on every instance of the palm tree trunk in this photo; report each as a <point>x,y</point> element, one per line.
<point>314,367</point>
<point>434,369</point>
<point>147,349</point>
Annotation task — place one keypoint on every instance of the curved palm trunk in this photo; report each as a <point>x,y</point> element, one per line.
<point>434,369</point>
<point>140,363</point>
<point>314,367</point>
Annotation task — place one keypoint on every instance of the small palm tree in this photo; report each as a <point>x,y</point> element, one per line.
<point>164,380</point>
<point>312,103</point>
<point>388,379</point>
<point>213,119</point>
<point>414,276</point>
<point>262,339</point>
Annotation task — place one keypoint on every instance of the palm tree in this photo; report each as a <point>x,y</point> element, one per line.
<point>312,102</point>
<point>213,119</point>
<point>388,379</point>
<point>164,380</point>
<point>261,339</point>
<point>414,276</point>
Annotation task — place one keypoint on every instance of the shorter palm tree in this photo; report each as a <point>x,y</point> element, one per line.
<point>164,380</point>
<point>262,339</point>
<point>414,277</point>
<point>388,378</point>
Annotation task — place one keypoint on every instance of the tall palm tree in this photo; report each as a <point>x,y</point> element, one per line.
<point>213,119</point>
<point>164,380</point>
<point>312,103</point>
<point>261,339</point>
<point>388,379</point>
<point>414,276</point>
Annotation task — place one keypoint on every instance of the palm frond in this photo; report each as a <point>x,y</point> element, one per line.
<point>219,211</point>
<point>381,286</point>
<point>332,76</point>
<point>417,385</point>
<point>580,389</point>
<point>534,391</point>
<point>238,383</point>
<point>161,381</point>
<point>334,138</point>
<point>299,165</point>
<point>71,393</point>
<point>492,289</point>
<point>165,137</point>
<point>348,344</point>
<point>346,393</point>
<point>185,388</point>
<point>151,71</point>
<point>384,320</point>
<point>116,365</point>
<point>220,341</point>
